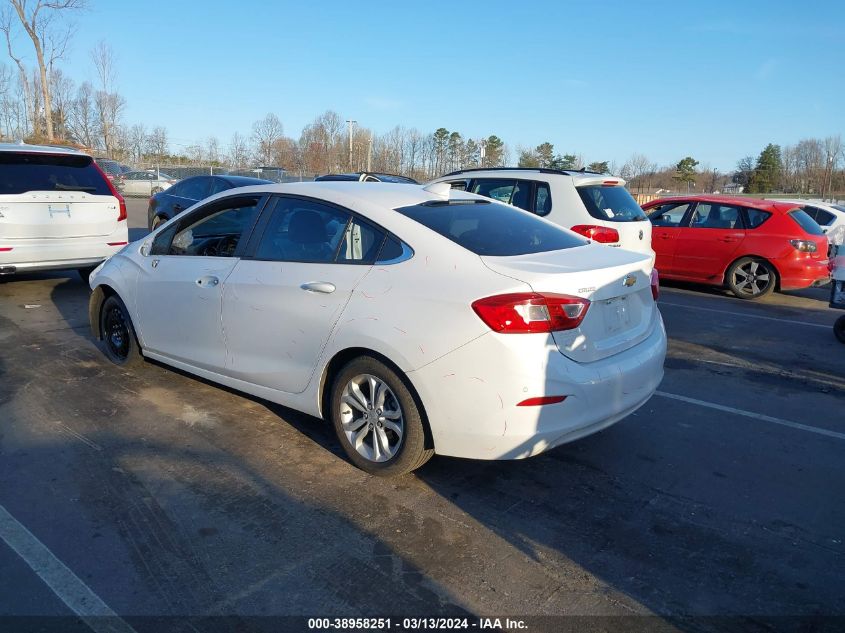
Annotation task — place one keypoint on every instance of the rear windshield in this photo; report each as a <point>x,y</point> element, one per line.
<point>20,173</point>
<point>838,207</point>
<point>806,222</point>
<point>492,228</point>
<point>610,203</point>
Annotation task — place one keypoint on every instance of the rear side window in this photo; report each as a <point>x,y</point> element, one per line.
<point>755,217</point>
<point>515,192</point>
<point>491,228</point>
<point>543,201</point>
<point>806,222</point>
<point>610,203</point>
<point>23,172</point>
<point>194,189</point>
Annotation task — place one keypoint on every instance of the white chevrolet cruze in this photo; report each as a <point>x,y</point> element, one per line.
<point>416,320</point>
<point>57,210</point>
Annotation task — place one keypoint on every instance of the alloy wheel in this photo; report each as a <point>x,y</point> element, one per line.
<point>752,278</point>
<point>371,418</point>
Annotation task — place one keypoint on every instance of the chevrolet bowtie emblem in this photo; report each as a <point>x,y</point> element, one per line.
<point>629,280</point>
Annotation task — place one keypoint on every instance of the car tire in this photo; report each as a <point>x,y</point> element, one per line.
<point>85,273</point>
<point>839,329</point>
<point>751,278</point>
<point>377,419</point>
<point>117,334</point>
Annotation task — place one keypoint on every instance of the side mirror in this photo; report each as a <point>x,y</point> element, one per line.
<point>145,249</point>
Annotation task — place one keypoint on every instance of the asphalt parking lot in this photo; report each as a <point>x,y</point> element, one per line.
<point>163,495</point>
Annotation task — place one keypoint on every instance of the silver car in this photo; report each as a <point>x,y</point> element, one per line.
<point>143,183</point>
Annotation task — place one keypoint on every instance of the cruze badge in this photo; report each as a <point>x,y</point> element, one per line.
<point>629,280</point>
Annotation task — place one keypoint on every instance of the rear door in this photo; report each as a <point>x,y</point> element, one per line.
<point>180,286</point>
<point>667,220</point>
<point>54,196</point>
<point>281,305</point>
<point>709,242</point>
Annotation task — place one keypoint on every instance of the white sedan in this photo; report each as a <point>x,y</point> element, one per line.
<point>416,320</point>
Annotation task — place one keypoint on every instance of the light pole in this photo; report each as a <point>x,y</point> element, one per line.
<point>351,123</point>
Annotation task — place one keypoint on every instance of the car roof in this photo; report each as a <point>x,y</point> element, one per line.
<point>40,149</point>
<point>754,203</point>
<point>516,172</point>
<point>818,203</point>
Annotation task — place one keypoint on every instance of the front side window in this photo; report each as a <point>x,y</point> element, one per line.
<point>218,232</point>
<point>491,228</point>
<point>309,231</point>
<point>670,214</point>
<point>218,185</point>
<point>711,215</point>
<point>610,203</point>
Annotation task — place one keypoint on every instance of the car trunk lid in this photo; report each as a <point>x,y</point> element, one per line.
<point>52,214</point>
<point>622,311</point>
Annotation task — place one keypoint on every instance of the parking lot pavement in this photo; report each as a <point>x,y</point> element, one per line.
<point>166,495</point>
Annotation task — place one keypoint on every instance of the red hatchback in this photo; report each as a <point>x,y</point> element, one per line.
<point>751,246</point>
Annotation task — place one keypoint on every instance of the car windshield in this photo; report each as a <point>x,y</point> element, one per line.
<point>23,172</point>
<point>610,203</point>
<point>492,228</point>
<point>806,222</point>
<point>838,207</point>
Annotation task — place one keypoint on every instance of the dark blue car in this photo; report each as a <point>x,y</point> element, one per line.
<point>172,201</point>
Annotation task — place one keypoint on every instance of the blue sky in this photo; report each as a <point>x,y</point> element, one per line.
<point>715,80</point>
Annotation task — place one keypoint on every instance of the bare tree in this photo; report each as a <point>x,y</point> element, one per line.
<point>157,143</point>
<point>238,151</point>
<point>265,133</point>
<point>40,19</point>
<point>82,120</point>
<point>109,104</point>
<point>138,141</point>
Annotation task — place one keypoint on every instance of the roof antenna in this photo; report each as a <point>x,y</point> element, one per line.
<point>439,189</point>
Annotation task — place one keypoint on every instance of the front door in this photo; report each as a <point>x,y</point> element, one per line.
<point>667,220</point>
<point>181,285</point>
<point>281,305</point>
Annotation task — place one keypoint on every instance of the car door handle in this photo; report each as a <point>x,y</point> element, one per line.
<point>664,236</point>
<point>208,282</point>
<point>728,238</point>
<point>318,286</point>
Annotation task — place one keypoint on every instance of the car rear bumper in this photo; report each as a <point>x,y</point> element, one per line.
<point>471,394</point>
<point>803,273</point>
<point>58,254</point>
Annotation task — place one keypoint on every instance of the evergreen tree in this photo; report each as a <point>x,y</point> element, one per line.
<point>685,171</point>
<point>494,151</point>
<point>767,173</point>
<point>545,153</point>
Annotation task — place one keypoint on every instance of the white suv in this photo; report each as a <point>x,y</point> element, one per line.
<point>57,210</point>
<point>595,205</point>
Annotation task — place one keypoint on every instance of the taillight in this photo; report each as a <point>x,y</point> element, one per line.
<point>531,312</point>
<point>601,234</point>
<point>122,214</point>
<point>5,249</point>
<point>803,246</point>
<point>655,284</point>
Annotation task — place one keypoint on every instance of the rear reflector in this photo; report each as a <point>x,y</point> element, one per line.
<point>537,402</point>
<point>601,234</point>
<point>117,243</point>
<point>531,312</point>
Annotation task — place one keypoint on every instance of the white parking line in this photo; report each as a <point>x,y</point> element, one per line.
<point>751,414</point>
<point>743,314</point>
<point>62,581</point>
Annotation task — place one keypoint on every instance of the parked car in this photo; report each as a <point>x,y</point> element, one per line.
<point>419,322</point>
<point>111,168</point>
<point>144,183</point>
<point>828,216</point>
<point>367,176</point>
<point>166,204</point>
<point>595,205</point>
<point>57,210</point>
<point>751,246</point>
